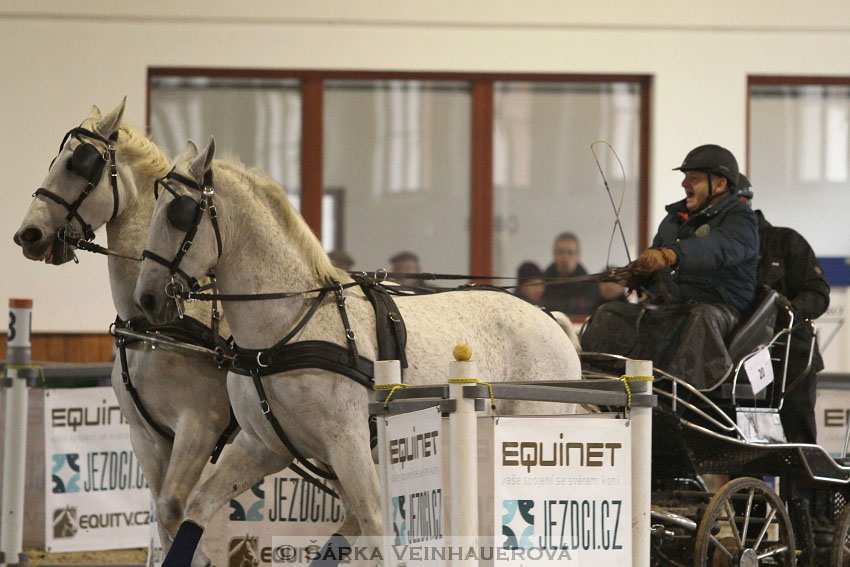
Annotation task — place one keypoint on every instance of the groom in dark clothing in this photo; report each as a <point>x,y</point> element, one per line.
<point>579,298</point>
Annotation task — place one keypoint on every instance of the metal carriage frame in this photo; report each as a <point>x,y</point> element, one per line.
<point>803,518</point>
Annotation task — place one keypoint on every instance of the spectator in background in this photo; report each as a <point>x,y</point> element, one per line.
<point>579,298</point>
<point>530,283</point>
<point>341,259</point>
<point>406,262</point>
<point>788,264</point>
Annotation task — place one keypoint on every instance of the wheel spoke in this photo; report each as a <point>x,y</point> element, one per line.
<point>773,551</point>
<point>747,515</point>
<point>846,550</point>
<point>720,546</point>
<point>730,512</point>
<point>767,522</point>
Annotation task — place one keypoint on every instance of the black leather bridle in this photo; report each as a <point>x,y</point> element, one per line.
<point>185,214</point>
<point>89,163</point>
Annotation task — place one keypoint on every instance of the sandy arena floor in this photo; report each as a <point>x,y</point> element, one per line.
<point>118,556</point>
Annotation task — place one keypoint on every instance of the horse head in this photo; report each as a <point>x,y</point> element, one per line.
<point>63,524</point>
<point>79,194</point>
<point>184,240</point>
<point>246,553</point>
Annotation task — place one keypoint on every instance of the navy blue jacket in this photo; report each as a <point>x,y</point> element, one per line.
<point>717,251</point>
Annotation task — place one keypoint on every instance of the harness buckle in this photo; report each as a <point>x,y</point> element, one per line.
<point>219,356</point>
<point>125,377</point>
<point>202,204</point>
<point>186,245</point>
<point>349,334</point>
<point>212,211</point>
<point>174,288</point>
<point>264,405</point>
<point>381,275</point>
<point>259,362</point>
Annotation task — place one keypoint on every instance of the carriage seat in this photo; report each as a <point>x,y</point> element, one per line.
<point>756,328</point>
<point>757,325</point>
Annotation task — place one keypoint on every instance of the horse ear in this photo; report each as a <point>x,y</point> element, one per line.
<point>191,150</point>
<point>95,113</point>
<point>109,123</point>
<point>202,163</point>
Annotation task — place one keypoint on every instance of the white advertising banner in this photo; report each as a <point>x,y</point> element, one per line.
<point>562,492</point>
<point>831,411</point>
<point>414,489</point>
<point>96,495</point>
<point>282,520</point>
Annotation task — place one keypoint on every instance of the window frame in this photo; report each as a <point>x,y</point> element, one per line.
<point>481,169</point>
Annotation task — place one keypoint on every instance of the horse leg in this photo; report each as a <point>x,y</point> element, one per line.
<point>153,454</point>
<point>243,463</point>
<point>352,462</point>
<point>152,451</point>
<point>193,444</point>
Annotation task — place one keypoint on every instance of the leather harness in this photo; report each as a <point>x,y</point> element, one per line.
<point>345,360</point>
<point>187,330</point>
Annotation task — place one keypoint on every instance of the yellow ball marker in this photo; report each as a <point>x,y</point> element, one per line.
<point>462,352</point>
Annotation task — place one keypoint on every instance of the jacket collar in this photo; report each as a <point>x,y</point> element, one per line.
<point>679,207</point>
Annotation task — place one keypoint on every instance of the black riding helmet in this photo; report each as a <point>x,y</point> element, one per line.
<point>744,188</point>
<point>713,160</point>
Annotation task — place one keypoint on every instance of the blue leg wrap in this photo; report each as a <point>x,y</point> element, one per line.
<point>335,550</point>
<point>184,546</point>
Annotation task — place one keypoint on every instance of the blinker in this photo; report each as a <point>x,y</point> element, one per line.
<point>88,162</point>
<point>182,213</point>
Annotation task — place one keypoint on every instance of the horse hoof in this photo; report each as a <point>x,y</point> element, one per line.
<point>335,550</point>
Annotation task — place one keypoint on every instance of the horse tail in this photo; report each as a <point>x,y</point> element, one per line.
<point>568,328</point>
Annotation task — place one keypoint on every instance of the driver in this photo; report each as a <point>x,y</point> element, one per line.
<point>699,275</point>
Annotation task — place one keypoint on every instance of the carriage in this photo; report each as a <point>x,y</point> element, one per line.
<point>779,503</point>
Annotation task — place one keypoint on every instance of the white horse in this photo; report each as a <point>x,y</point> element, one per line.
<point>266,246</point>
<point>184,394</point>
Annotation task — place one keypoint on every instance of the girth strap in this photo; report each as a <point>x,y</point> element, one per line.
<point>267,411</point>
<point>225,435</point>
<point>120,342</point>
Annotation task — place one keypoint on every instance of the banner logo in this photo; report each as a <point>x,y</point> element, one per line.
<point>65,473</point>
<point>65,522</point>
<point>518,529</point>
<point>244,552</point>
<point>255,510</point>
<point>399,520</point>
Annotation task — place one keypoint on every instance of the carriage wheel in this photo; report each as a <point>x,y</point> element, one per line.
<point>840,555</point>
<point>745,525</point>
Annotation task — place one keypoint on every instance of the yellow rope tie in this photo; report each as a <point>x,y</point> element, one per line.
<point>391,387</point>
<point>625,379</point>
<point>476,381</point>
<point>29,367</point>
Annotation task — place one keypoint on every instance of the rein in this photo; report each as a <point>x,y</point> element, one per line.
<point>613,275</point>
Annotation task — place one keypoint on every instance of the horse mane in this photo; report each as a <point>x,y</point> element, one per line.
<point>266,187</point>
<point>148,158</point>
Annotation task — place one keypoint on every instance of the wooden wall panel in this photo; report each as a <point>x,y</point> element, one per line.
<point>67,347</point>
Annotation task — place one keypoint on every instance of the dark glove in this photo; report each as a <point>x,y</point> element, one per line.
<point>654,259</point>
<point>783,301</point>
